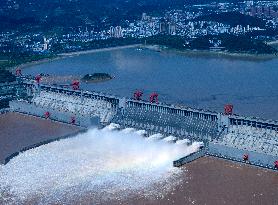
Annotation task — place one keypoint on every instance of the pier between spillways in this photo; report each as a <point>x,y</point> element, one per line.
<point>227,136</point>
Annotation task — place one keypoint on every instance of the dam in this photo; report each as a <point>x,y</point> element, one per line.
<point>225,135</point>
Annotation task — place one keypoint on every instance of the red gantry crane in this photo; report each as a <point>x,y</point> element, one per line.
<point>38,78</point>
<point>245,157</point>
<point>154,98</point>
<point>18,72</point>
<point>228,109</point>
<point>47,115</point>
<point>75,85</point>
<point>276,164</point>
<point>137,95</point>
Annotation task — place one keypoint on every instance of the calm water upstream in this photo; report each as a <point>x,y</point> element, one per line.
<point>196,81</point>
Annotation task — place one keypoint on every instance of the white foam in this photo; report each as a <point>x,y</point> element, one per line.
<point>155,137</point>
<point>128,130</point>
<point>141,132</point>
<point>184,141</point>
<point>170,139</point>
<point>112,126</point>
<point>107,164</point>
<point>198,144</point>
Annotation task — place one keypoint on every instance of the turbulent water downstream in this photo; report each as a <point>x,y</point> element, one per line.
<point>104,165</point>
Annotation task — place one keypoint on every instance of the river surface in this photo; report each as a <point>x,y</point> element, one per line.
<point>207,82</point>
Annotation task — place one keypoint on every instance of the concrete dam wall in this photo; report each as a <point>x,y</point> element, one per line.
<point>225,135</point>
<point>168,120</point>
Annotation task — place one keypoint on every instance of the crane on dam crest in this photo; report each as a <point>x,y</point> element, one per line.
<point>226,135</point>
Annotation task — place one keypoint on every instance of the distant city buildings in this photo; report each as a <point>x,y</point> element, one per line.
<point>264,12</point>
<point>167,28</point>
<point>184,22</point>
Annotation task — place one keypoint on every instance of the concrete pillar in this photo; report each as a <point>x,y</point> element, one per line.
<point>29,91</point>
<point>223,122</point>
<point>122,105</point>
<point>82,97</point>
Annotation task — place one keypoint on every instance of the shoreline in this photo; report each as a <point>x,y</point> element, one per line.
<point>272,42</point>
<point>24,65</point>
<point>71,54</point>
<point>207,53</point>
<point>77,53</point>
<point>96,80</point>
<point>158,48</point>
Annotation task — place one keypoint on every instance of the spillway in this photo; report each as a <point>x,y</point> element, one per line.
<point>108,164</point>
<point>225,135</point>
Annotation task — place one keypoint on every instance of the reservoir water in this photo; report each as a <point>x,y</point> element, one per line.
<point>199,81</point>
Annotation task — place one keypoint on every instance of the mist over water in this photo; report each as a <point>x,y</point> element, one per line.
<point>102,164</point>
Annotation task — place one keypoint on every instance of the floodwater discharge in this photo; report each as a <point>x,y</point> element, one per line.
<point>107,165</point>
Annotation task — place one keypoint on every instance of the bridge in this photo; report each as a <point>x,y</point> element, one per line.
<point>226,135</point>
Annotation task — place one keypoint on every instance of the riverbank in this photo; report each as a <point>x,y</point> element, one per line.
<point>28,64</point>
<point>273,44</point>
<point>71,54</point>
<point>77,53</point>
<point>158,48</point>
<point>211,54</point>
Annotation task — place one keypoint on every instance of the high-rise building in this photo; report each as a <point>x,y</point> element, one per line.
<point>116,32</point>
<point>144,16</point>
<point>112,32</point>
<point>162,27</point>
<point>45,44</point>
<point>172,28</point>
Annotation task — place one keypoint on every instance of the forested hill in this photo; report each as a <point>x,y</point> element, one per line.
<point>48,14</point>
<point>233,19</point>
<point>6,76</point>
<point>231,43</point>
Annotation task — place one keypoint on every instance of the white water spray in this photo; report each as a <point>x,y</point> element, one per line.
<point>106,164</point>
